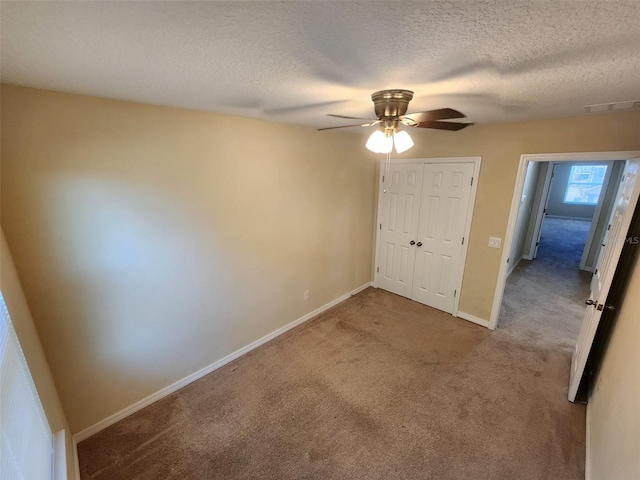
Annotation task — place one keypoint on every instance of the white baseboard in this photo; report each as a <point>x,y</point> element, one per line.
<point>473,318</point>
<point>154,397</point>
<point>514,265</point>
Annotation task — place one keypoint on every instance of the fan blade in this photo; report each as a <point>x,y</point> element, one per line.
<point>452,126</point>
<point>441,114</point>
<point>350,118</point>
<point>345,126</point>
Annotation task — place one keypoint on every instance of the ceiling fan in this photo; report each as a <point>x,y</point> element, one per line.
<point>391,107</point>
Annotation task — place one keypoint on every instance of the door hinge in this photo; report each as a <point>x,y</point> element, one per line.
<point>382,178</point>
<point>455,292</point>
<point>378,269</point>
<point>596,272</point>
<point>462,240</point>
<point>508,260</point>
<point>544,212</point>
<point>380,226</point>
<point>537,243</point>
<point>472,181</point>
<point>609,227</point>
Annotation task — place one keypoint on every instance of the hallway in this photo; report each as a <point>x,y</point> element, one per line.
<point>544,298</point>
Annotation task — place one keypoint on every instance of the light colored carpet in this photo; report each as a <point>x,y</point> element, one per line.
<point>377,388</point>
<point>544,298</point>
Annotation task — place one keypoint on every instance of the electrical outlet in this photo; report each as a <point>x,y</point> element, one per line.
<point>306,295</point>
<point>495,242</point>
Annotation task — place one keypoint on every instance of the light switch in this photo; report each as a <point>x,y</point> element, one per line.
<point>495,242</point>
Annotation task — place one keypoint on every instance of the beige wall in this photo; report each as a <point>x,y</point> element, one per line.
<point>500,146</point>
<point>153,241</point>
<point>613,412</point>
<point>32,348</point>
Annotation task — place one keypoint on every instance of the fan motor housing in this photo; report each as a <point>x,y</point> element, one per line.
<point>391,103</point>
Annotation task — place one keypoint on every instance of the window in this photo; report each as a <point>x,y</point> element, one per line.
<point>26,442</point>
<point>584,185</point>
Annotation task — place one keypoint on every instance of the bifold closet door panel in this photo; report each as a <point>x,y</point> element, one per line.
<point>399,226</point>
<point>446,194</point>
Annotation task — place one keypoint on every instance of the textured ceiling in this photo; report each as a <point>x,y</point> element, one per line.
<point>297,61</point>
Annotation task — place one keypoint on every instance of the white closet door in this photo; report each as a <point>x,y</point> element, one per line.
<point>400,212</point>
<point>443,215</point>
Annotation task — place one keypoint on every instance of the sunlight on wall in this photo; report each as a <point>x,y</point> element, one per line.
<point>115,248</point>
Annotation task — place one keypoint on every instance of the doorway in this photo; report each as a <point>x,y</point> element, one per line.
<point>624,201</point>
<point>531,197</point>
<point>547,285</point>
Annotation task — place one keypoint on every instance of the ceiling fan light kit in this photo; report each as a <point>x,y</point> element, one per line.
<point>379,142</point>
<point>390,107</point>
<point>402,141</point>
<point>382,141</point>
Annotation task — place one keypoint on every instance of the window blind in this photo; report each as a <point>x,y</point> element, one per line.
<point>26,441</point>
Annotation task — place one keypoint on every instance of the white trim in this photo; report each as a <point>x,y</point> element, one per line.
<point>60,456</point>
<point>513,265</point>
<point>473,319</point>
<point>565,217</point>
<point>587,453</point>
<point>584,157</point>
<point>434,160</point>
<point>376,265</point>
<point>515,206</point>
<point>595,219</point>
<point>477,162</point>
<point>542,206</point>
<point>154,397</point>
<point>76,460</point>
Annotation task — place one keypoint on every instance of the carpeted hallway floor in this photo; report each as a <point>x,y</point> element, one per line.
<point>544,298</point>
<point>379,387</point>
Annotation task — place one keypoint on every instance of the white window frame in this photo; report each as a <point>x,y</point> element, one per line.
<point>591,184</point>
<point>33,410</point>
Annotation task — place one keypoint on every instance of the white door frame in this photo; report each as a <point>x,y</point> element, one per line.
<point>515,207</point>
<point>596,218</point>
<point>472,201</point>
<point>612,183</point>
<point>542,206</point>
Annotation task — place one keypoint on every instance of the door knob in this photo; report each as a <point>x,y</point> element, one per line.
<point>419,244</point>
<point>588,301</point>
<point>412,242</point>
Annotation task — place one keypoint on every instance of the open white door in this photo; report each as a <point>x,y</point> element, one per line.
<point>625,205</point>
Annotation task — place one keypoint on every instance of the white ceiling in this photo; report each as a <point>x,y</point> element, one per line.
<point>500,60</point>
